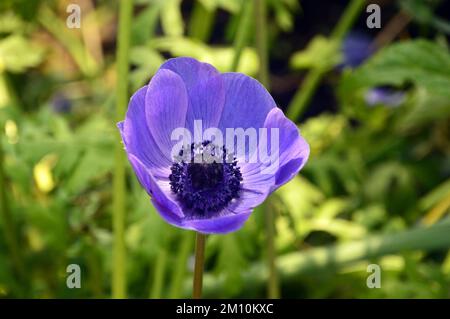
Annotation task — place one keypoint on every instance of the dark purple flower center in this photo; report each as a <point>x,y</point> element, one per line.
<point>205,180</point>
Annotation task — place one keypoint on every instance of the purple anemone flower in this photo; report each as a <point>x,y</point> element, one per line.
<point>60,103</point>
<point>356,48</point>
<point>386,96</point>
<point>218,195</point>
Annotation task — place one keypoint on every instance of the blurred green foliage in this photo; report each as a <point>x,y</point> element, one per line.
<point>373,170</point>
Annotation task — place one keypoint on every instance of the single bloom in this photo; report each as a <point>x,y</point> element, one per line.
<point>356,48</point>
<point>215,196</point>
<point>384,95</point>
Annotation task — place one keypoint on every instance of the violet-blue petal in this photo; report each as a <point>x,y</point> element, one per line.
<point>247,102</point>
<point>293,150</point>
<point>228,222</point>
<point>386,96</point>
<point>162,199</point>
<point>205,89</point>
<point>255,189</point>
<point>166,106</point>
<point>255,185</point>
<point>190,70</point>
<point>356,48</point>
<point>206,101</point>
<point>137,137</point>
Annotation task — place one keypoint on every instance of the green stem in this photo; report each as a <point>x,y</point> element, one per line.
<point>201,22</point>
<point>261,41</point>
<point>273,287</point>
<point>242,33</point>
<point>198,268</point>
<point>9,228</point>
<point>304,93</point>
<point>158,274</point>
<point>180,265</point>
<point>331,259</point>
<point>119,268</point>
<point>95,278</point>
<point>348,18</point>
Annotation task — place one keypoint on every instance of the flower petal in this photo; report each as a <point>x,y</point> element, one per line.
<point>247,102</point>
<point>231,219</point>
<point>205,89</point>
<point>162,199</point>
<point>137,137</point>
<point>254,192</point>
<point>228,222</point>
<point>206,101</point>
<point>190,70</point>
<point>256,186</point>
<point>293,150</point>
<point>166,106</point>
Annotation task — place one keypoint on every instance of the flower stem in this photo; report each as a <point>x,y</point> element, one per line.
<point>261,41</point>
<point>242,33</point>
<point>9,228</point>
<point>159,274</point>
<point>119,269</point>
<point>273,285</point>
<point>311,82</point>
<point>349,16</point>
<point>273,289</point>
<point>201,22</point>
<point>179,271</point>
<point>198,268</point>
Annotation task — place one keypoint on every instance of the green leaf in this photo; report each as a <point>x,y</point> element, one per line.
<point>435,195</point>
<point>321,53</point>
<point>285,11</point>
<point>421,62</point>
<point>171,19</point>
<point>17,54</point>
<point>421,114</point>
<point>323,130</point>
<point>10,22</point>
<point>422,12</point>
<point>144,24</point>
<point>147,61</point>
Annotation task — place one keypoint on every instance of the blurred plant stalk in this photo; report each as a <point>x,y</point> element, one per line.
<point>159,274</point>
<point>9,228</point>
<point>242,34</point>
<point>273,286</point>
<point>179,271</point>
<point>201,22</point>
<point>312,80</point>
<point>119,250</point>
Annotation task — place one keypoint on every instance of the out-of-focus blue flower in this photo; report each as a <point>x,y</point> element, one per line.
<point>356,48</point>
<point>60,103</point>
<point>385,96</point>
<point>209,197</point>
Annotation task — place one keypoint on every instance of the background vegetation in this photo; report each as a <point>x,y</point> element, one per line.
<point>374,104</point>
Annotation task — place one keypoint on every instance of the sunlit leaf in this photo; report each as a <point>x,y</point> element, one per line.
<point>321,53</point>
<point>17,54</point>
